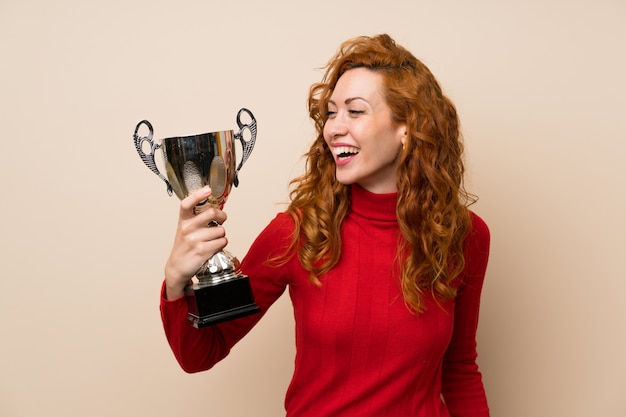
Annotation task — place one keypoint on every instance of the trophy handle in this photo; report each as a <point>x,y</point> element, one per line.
<point>246,146</point>
<point>148,158</point>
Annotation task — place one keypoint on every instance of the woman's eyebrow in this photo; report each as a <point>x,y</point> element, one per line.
<point>348,100</point>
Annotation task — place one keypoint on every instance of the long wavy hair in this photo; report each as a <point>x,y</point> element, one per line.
<point>432,202</point>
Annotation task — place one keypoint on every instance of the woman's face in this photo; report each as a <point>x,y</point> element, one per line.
<point>364,140</point>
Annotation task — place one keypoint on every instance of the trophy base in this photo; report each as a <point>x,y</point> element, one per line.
<point>211,303</point>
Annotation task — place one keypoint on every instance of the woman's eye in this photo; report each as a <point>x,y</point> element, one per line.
<point>330,113</point>
<point>356,112</point>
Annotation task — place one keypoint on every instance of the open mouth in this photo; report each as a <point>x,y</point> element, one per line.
<point>344,152</point>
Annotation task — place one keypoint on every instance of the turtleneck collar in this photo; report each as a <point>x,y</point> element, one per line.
<point>373,206</point>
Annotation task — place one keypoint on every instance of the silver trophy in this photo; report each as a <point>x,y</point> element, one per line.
<point>221,292</point>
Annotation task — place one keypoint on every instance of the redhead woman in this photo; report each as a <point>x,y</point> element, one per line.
<point>382,258</point>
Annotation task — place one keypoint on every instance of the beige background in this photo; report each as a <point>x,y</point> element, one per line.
<point>86,227</point>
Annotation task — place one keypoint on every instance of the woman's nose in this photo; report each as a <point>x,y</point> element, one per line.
<point>334,128</point>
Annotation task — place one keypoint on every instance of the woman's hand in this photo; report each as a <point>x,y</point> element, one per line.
<point>195,242</point>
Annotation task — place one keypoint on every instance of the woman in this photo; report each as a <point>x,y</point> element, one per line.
<point>383,260</point>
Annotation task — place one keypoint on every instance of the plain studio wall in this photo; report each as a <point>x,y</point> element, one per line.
<point>86,228</point>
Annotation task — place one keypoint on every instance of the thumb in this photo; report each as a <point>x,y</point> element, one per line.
<point>188,205</point>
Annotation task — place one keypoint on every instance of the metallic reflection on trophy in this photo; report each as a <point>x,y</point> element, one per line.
<point>221,292</point>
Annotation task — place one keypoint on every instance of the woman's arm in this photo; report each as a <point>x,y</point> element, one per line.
<point>462,384</point>
<point>200,349</point>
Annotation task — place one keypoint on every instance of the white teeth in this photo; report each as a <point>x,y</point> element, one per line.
<point>344,150</point>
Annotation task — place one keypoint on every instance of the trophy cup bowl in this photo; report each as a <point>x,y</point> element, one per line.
<point>220,292</point>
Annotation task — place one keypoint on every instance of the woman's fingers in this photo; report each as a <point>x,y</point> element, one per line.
<point>193,207</point>
<point>199,236</point>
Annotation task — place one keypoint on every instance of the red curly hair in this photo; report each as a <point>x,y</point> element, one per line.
<point>432,202</point>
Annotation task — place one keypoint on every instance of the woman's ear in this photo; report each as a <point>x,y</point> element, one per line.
<point>403,139</point>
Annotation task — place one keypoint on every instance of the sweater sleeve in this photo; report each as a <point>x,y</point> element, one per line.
<point>462,385</point>
<point>200,349</point>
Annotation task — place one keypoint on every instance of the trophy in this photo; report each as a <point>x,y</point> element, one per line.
<point>220,291</point>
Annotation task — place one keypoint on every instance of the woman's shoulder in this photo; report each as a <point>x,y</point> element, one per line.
<point>283,221</point>
<point>280,227</point>
<point>479,226</point>
<point>479,236</point>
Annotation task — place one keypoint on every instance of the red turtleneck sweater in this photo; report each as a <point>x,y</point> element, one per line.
<point>359,350</point>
